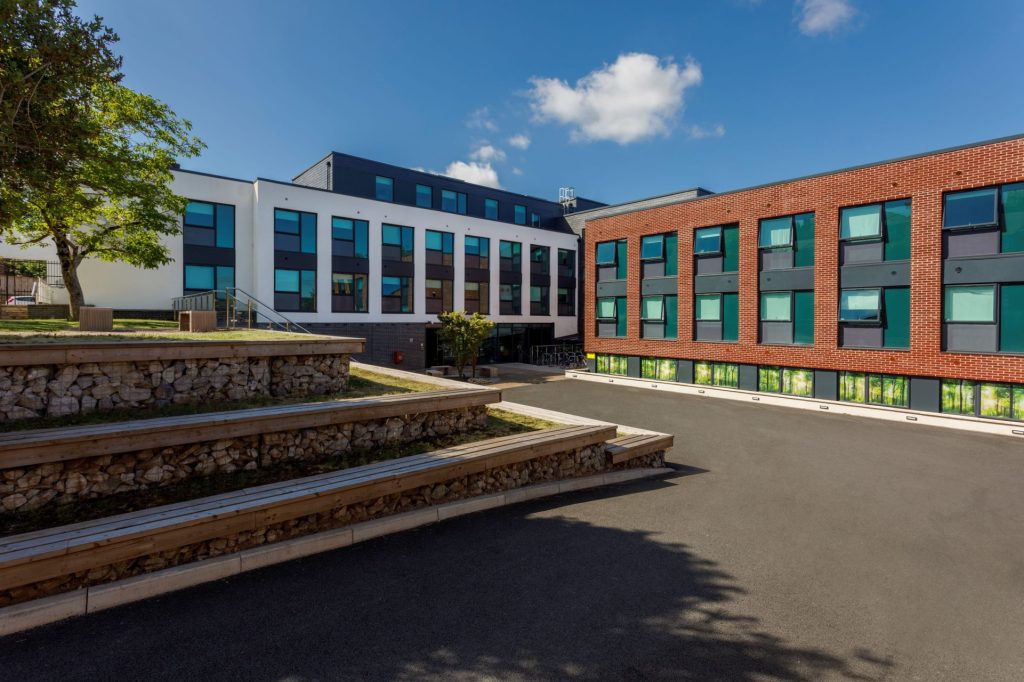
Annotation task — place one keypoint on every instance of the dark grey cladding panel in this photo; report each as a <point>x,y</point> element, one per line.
<point>606,329</point>
<point>714,284</point>
<point>347,264</point>
<point>887,274</point>
<point>652,269</point>
<point>776,332</point>
<point>748,377</point>
<point>289,260</point>
<point>208,255</point>
<point>538,280</point>
<point>684,371</point>
<point>777,260</point>
<point>709,265</point>
<point>855,336</point>
<point>826,384</point>
<point>1003,268</point>
<point>924,394</point>
<point>979,338</point>
<point>861,252</point>
<point>390,268</point>
<point>971,243</point>
<point>633,366</point>
<point>606,273</point>
<point>592,364</point>
<point>665,286</point>
<point>440,271</point>
<point>507,277</point>
<point>708,331</point>
<point>567,282</point>
<point>794,279</point>
<point>606,289</point>
<point>653,330</point>
<point>286,302</point>
<point>477,275</point>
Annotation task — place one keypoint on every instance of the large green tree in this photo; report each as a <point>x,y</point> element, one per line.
<point>110,197</point>
<point>461,335</point>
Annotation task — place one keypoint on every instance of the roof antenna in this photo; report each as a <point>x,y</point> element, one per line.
<point>567,198</point>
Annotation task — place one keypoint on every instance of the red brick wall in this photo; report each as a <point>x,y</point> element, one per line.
<point>922,179</point>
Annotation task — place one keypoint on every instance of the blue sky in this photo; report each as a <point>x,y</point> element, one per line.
<point>620,101</point>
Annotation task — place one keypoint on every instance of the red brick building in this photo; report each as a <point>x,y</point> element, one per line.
<point>898,283</point>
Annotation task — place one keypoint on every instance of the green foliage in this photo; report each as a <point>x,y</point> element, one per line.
<point>461,336</point>
<point>25,268</point>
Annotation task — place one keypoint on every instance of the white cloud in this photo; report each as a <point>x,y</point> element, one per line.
<point>634,98</point>
<point>698,132</point>
<point>481,118</point>
<point>517,171</point>
<point>477,173</point>
<point>521,141</point>
<point>823,16</point>
<point>486,153</point>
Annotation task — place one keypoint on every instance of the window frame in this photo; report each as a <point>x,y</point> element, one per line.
<point>299,214</point>
<point>880,206</point>
<point>615,311</point>
<point>429,195</point>
<point>615,253</point>
<point>995,303</point>
<point>996,192</point>
<point>760,312</point>
<point>355,235</point>
<point>216,223</point>
<point>661,302</point>
<point>718,252</point>
<point>401,242</point>
<point>377,185</point>
<point>412,295</point>
<point>364,301</point>
<point>696,307</point>
<point>497,208</point>
<point>661,242</point>
<point>792,232</point>
<point>878,321</point>
<point>515,214</point>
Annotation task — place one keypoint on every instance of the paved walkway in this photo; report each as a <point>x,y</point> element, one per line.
<point>790,545</point>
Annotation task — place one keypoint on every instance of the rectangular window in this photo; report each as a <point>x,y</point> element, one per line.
<point>396,294</point>
<point>611,364</point>
<point>1012,235</point>
<point>957,396</point>
<point>707,241</point>
<point>861,222</point>
<point>897,230</point>
<point>971,303</point>
<point>478,252</point>
<point>776,233</point>
<point>776,306</point>
<point>606,253</point>
<point>348,292</point>
<point>398,243</point>
<point>477,297</point>
<point>606,308</point>
<point>510,297</point>
<point>520,214</point>
<point>199,214</point>
<point>566,301</point>
<point>786,380</point>
<point>860,305</point>
<point>540,300</point>
<point>301,282</point>
<point>1011,318</point>
<point>511,255</point>
<point>716,374</point>
<point>440,248</point>
<point>652,247</point>
<point>709,307</point>
<point>540,257</point>
<point>424,196</point>
<point>491,209</point>
<point>209,224</point>
<point>874,389</point>
<point>199,277</point>
<point>453,202</point>
<point>294,231</point>
<point>385,188</point>
<point>350,237</point>
<point>970,209</point>
<point>438,295</point>
<point>566,263</point>
<point>534,220</point>
<point>995,401</point>
<point>659,369</point>
<point>652,309</point>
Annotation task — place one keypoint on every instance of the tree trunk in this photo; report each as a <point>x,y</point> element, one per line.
<point>69,272</point>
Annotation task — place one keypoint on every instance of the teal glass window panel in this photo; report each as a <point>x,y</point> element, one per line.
<point>621,262</point>
<point>535,294</point>
<point>971,303</point>
<point>730,317</point>
<point>896,333</point>
<point>605,253</point>
<point>769,379</point>
<point>995,401</point>
<point>434,240</point>
<point>803,227</point>
<point>225,226</point>
<point>1012,237</point>
<point>707,241</point>
<point>703,373</point>
<point>286,281</point>
<point>472,246</point>
<point>671,255</point>
<point>776,306</point>
<point>974,208</point>
<point>1011,318</point>
<point>671,317</point>
<point>391,286</point>
<point>606,308</point>
<point>307,291</point>
<point>798,382</point>
<point>199,214</point>
<point>776,233</point>
<point>491,209</point>
<point>424,196</point>
<point>343,228</point>
<point>897,230</point>
<point>307,232</point>
<point>362,241</point>
<point>286,221</point>
<point>803,317</point>
<point>620,316</point>
<point>652,247</point>
<point>730,249</point>
<point>652,309</point>
<point>225,277</point>
<point>385,189</point>
<point>520,214</point>
<point>199,277</point>
<point>861,222</point>
<point>852,387</point>
<point>449,202</point>
<point>860,305</point>
<point>391,235</point>
<point>709,307</point>
<point>461,203</point>
<point>534,219</point>
<point>407,244</point>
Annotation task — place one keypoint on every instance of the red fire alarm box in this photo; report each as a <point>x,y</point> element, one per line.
<point>398,357</point>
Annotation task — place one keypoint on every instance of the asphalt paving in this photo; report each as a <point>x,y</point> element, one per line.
<point>786,545</point>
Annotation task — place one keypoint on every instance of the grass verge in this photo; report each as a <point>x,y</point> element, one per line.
<point>499,423</point>
<point>362,384</point>
<point>127,331</point>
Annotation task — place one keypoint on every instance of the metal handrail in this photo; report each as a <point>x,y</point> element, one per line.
<point>237,305</point>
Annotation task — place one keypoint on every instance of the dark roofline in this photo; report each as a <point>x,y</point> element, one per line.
<point>822,174</point>
<point>210,175</point>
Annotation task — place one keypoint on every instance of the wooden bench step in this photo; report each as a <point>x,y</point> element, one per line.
<point>40,555</point>
<point>36,446</point>
<point>629,447</point>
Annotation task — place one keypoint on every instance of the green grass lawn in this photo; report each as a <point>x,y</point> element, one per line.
<point>499,423</point>
<point>64,331</point>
